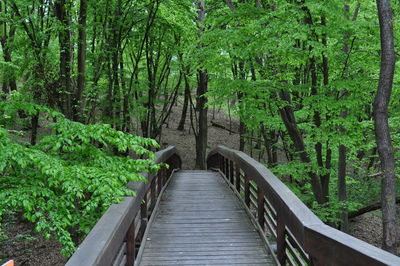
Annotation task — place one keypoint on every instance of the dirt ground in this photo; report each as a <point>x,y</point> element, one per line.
<point>185,140</point>
<point>18,241</point>
<point>368,227</point>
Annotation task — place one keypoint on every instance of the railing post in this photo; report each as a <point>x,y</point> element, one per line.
<point>143,214</point>
<point>231,173</point>
<point>227,168</point>
<point>237,171</point>
<point>280,239</point>
<point>247,190</point>
<point>164,176</point>
<point>153,193</point>
<point>222,164</point>
<point>130,244</point>
<point>159,182</point>
<point>260,207</point>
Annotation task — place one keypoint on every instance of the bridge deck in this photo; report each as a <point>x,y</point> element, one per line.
<point>201,222</point>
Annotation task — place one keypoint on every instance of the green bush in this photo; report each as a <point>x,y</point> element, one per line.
<point>66,182</point>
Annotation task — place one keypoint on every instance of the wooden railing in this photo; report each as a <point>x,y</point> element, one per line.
<point>115,238</point>
<point>301,238</point>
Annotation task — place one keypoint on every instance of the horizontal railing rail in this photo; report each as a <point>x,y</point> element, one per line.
<point>115,239</point>
<point>300,236</point>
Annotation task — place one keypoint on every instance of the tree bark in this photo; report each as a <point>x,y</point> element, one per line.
<point>76,102</point>
<point>342,151</point>
<point>201,103</point>
<point>181,125</point>
<point>201,138</point>
<point>9,82</point>
<point>64,38</point>
<point>382,131</point>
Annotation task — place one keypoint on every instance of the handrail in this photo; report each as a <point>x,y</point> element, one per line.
<point>301,237</point>
<point>113,240</point>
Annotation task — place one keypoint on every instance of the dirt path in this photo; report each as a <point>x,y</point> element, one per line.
<point>185,140</point>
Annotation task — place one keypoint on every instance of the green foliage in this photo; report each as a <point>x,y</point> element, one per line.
<point>330,212</point>
<point>261,51</point>
<point>71,177</point>
<point>136,52</point>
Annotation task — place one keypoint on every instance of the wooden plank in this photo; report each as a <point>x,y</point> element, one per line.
<point>200,221</point>
<point>201,230</point>
<point>207,249</point>
<point>162,253</point>
<point>226,257</point>
<point>206,261</point>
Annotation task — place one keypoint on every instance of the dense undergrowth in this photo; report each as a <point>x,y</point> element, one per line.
<point>64,183</point>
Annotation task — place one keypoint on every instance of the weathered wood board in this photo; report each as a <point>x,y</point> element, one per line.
<point>200,221</point>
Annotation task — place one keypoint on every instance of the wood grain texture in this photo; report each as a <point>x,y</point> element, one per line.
<point>201,222</point>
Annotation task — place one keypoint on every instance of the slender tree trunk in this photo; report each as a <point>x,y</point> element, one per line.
<point>201,105</point>
<point>181,125</point>
<point>201,138</point>
<point>242,125</point>
<point>289,120</point>
<point>34,126</point>
<point>382,131</point>
<point>328,153</point>
<point>342,150</point>
<point>64,38</point>
<point>9,83</point>
<point>242,132</point>
<point>344,221</point>
<point>77,100</point>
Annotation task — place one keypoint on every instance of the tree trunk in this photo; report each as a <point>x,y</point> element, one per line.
<point>289,120</point>
<point>9,83</point>
<point>344,221</point>
<point>76,103</point>
<point>201,103</point>
<point>382,131</point>
<point>242,125</point>
<point>342,151</point>
<point>64,39</point>
<point>201,138</point>
<point>34,126</point>
<point>181,125</point>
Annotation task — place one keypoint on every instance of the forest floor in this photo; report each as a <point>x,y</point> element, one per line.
<point>18,240</point>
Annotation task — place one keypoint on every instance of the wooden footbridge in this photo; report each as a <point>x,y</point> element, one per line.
<point>235,213</point>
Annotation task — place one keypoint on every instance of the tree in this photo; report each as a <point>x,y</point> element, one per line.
<point>382,130</point>
<point>201,100</point>
<point>7,33</point>
<point>62,11</point>
<point>77,97</point>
